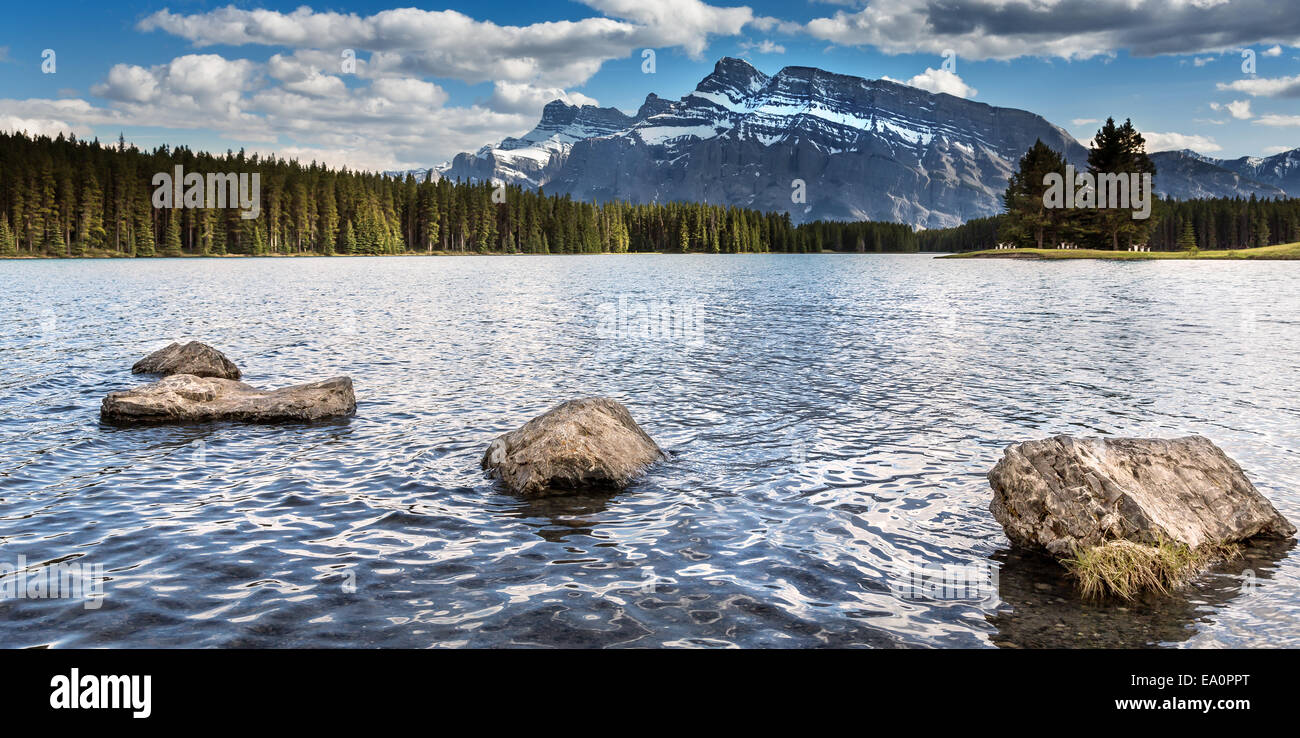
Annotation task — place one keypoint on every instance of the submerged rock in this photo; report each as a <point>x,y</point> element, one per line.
<point>184,398</point>
<point>1063,494</point>
<point>198,359</point>
<point>576,445</point>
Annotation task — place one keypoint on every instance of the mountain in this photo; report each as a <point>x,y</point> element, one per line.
<point>533,159</point>
<point>1186,175</point>
<point>1280,170</point>
<point>863,150</point>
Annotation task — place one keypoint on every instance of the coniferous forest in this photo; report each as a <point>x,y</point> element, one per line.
<point>1173,225</point>
<point>1220,223</point>
<point>65,197</point>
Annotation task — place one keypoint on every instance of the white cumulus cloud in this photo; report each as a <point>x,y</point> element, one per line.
<point>766,46</point>
<point>1068,29</point>
<point>1278,120</point>
<point>523,98</point>
<point>1265,86</point>
<point>939,80</point>
<point>450,44</point>
<point>1239,109</point>
<point>1178,141</point>
<point>41,127</point>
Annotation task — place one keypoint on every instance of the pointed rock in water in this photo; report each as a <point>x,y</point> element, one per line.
<point>198,359</point>
<point>1066,494</point>
<point>183,398</point>
<point>576,445</point>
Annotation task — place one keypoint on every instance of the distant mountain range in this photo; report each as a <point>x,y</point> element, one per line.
<point>1186,175</point>
<point>864,149</point>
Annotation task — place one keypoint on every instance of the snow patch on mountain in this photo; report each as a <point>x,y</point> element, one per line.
<point>873,149</point>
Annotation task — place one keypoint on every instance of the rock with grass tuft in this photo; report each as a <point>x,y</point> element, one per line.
<point>1129,514</point>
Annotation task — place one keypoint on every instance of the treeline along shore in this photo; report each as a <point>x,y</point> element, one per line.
<point>1180,226</point>
<point>1035,218</point>
<point>65,197</point>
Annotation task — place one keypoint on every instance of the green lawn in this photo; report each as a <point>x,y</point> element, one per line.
<point>1280,251</point>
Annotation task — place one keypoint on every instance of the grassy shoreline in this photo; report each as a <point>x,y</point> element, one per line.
<point>1280,251</point>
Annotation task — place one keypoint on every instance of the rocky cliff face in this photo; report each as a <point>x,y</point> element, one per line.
<point>864,149</point>
<point>1280,170</point>
<point>534,159</point>
<point>1187,175</point>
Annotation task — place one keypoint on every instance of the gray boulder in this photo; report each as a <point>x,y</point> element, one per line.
<point>592,443</point>
<point>183,398</point>
<point>1065,494</point>
<point>198,359</point>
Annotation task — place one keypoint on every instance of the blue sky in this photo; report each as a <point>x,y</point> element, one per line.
<point>448,77</point>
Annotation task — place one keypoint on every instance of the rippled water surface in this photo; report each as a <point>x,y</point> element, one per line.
<point>831,421</point>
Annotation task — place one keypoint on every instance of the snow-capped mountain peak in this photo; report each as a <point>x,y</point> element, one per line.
<point>867,149</point>
<point>526,160</point>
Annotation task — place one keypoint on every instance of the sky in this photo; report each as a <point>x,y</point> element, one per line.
<point>376,85</point>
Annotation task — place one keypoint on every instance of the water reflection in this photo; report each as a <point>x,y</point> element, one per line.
<point>1043,609</point>
<point>555,519</point>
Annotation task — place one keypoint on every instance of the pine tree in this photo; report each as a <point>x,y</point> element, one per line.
<point>1030,222</point>
<point>172,238</point>
<point>259,240</point>
<point>348,239</point>
<point>8,246</point>
<point>143,228</point>
<point>19,209</point>
<point>220,234</point>
<point>65,214</point>
<point>327,214</point>
<point>1119,150</point>
<point>1187,239</point>
<point>1259,230</point>
<point>45,221</point>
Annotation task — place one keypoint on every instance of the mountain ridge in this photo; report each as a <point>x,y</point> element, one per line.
<point>864,150</point>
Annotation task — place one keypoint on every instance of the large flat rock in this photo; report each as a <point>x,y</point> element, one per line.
<point>1064,494</point>
<point>198,359</point>
<point>586,444</point>
<point>183,398</point>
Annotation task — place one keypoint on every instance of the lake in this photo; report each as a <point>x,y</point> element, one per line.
<point>830,421</point>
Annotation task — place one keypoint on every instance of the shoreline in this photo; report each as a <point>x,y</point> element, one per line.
<point>1278,252</point>
<point>313,255</point>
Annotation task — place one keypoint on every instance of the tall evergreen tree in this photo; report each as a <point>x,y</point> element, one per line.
<point>1031,222</point>
<point>172,239</point>
<point>1120,150</point>
<point>1187,240</point>
<point>8,246</point>
<point>348,239</point>
<point>143,229</point>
